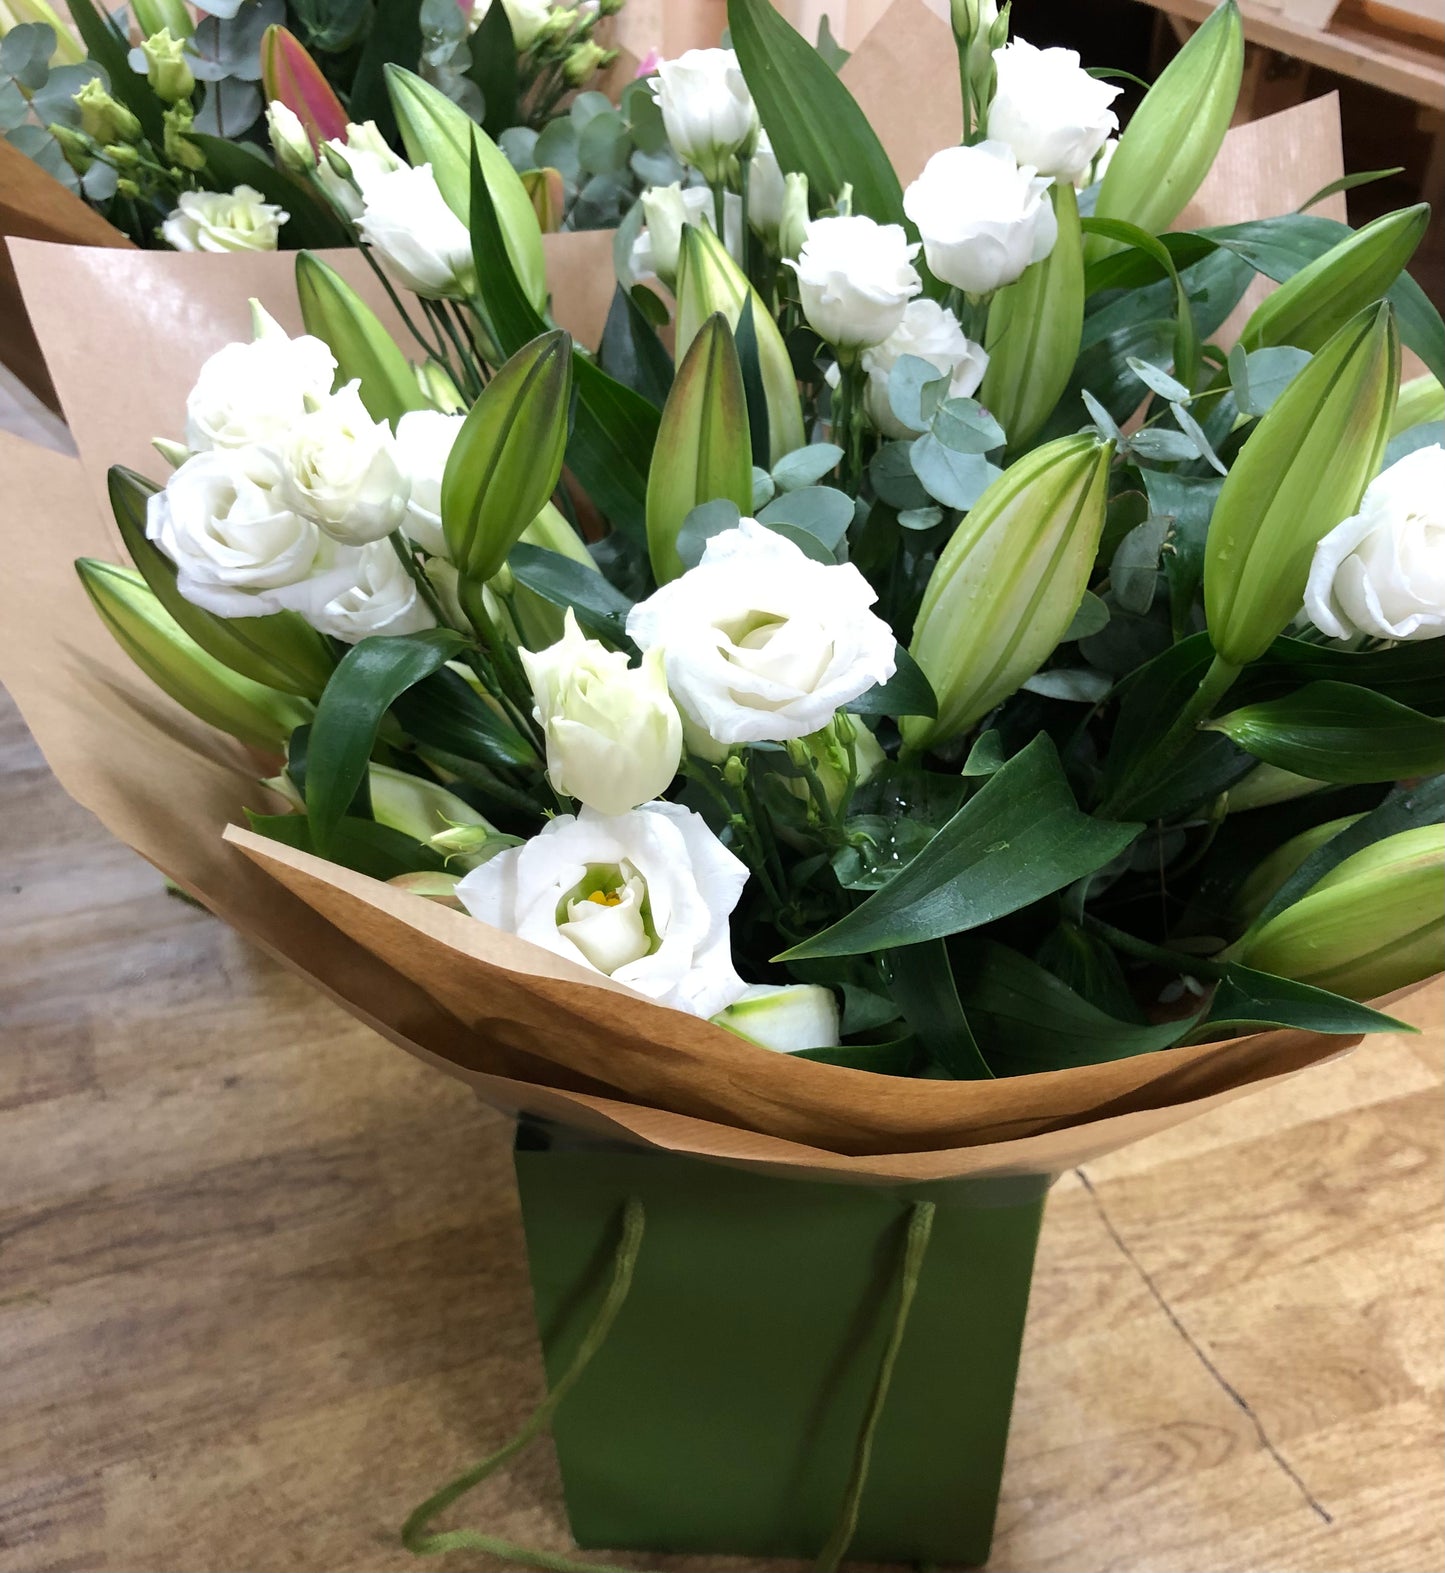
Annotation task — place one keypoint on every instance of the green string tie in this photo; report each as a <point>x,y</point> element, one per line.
<point>414,1534</point>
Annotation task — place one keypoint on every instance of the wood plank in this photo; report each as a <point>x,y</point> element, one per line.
<point>261,1281</point>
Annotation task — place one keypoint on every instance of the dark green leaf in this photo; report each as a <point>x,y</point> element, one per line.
<point>394,34</point>
<point>907,692</point>
<point>899,1057</point>
<point>1249,999</point>
<point>1335,732</point>
<point>1412,673</point>
<point>444,712</point>
<point>1186,332</point>
<point>921,980</point>
<point>361,844</point>
<point>1019,838</point>
<point>1348,183</point>
<point>756,394</point>
<point>631,351</point>
<point>1187,501</point>
<point>370,678</point>
<point>601,609</point>
<point>494,70</point>
<point>891,471</point>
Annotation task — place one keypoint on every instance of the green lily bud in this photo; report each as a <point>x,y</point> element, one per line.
<point>1175,135</point>
<point>1256,891</point>
<point>507,458</point>
<point>787,1017</point>
<point>708,281</point>
<point>1421,399</point>
<point>441,888</point>
<point>793,226</point>
<point>259,716</point>
<point>438,132</point>
<point>703,449</point>
<point>153,16</point>
<point>364,350</point>
<point>1007,585</point>
<point>438,388</point>
<point>103,118</point>
<point>1034,329</point>
<point>279,651</point>
<point>1267,785</point>
<point>1302,471</point>
<point>176,143</point>
<point>167,69</point>
<point>1320,299</point>
<point>1372,924</point>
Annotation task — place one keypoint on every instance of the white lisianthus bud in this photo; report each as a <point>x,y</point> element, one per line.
<point>347,164</point>
<point>239,220</point>
<point>1382,571</point>
<point>983,217</point>
<point>932,333</point>
<point>239,550</point>
<point>668,209</point>
<point>341,470</point>
<point>423,444</point>
<point>1099,168</point>
<point>706,109</point>
<point>787,1017</point>
<point>855,277</point>
<point>614,737</point>
<point>767,190</point>
<point>793,226</point>
<point>383,600</point>
<point>1049,110</point>
<point>643,897</point>
<point>289,141</point>
<point>256,392</point>
<point>418,237</point>
<point>762,643</point>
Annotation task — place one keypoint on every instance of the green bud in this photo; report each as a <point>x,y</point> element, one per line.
<point>364,350</point>
<point>709,281</point>
<point>844,754</point>
<point>103,118</point>
<point>256,715</point>
<point>507,458</point>
<point>79,150</point>
<point>441,888</point>
<point>1007,585</point>
<point>1320,299</point>
<point>1034,329</point>
<point>289,141</point>
<point>1421,399</point>
<point>179,148</point>
<point>1302,471</point>
<point>126,187</point>
<point>123,157</point>
<point>170,15</point>
<point>167,69</point>
<point>1261,885</point>
<point>427,813</point>
<point>703,449</point>
<point>1171,142</point>
<point>438,388</point>
<point>583,61</point>
<point>1372,924</point>
<point>793,227</point>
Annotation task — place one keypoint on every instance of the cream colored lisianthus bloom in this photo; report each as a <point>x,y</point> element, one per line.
<point>614,737</point>
<point>239,220</point>
<point>762,643</point>
<point>643,897</point>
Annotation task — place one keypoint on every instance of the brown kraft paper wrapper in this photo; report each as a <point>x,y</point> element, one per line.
<point>125,335</point>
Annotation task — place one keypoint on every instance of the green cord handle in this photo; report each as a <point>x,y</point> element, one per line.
<point>414,1534</point>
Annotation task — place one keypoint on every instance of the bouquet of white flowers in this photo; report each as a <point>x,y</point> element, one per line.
<point>905,703</point>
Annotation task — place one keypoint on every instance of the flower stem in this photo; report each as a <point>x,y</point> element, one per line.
<point>1144,951</point>
<point>417,574</point>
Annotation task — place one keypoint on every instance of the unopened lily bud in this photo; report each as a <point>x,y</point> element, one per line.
<point>441,888</point>
<point>425,811</point>
<point>255,714</point>
<point>1007,585</point>
<point>289,141</point>
<point>167,69</point>
<point>1303,470</point>
<point>1174,136</point>
<point>1372,924</point>
<point>1267,785</point>
<point>793,228</point>
<point>438,387</point>
<point>1256,891</point>
<point>787,1017</point>
<point>171,15</point>
<point>1420,400</point>
<point>103,118</point>
<point>1310,308</point>
<point>548,194</point>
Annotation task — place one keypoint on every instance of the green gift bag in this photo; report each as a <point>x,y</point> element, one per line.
<point>770,1367</point>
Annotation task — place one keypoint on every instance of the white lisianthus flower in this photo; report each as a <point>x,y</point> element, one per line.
<point>932,333</point>
<point>239,550</point>
<point>761,643</point>
<point>856,277</point>
<point>643,897</point>
<point>707,109</point>
<point>365,154</point>
<point>766,190</point>
<point>983,217</point>
<point>382,600</point>
<point>239,220</point>
<point>1049,110</point>
<point>667,209</point>
<point>1382,572</point>
<point>784,1016</point>
<point>342,472</point>
<point>255,393</point>
<point>527,19</point>
<point>416,235</point>
<point>614,737</point>
<point>423,445</point>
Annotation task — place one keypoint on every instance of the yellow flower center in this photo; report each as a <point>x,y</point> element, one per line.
<point>606,898</point>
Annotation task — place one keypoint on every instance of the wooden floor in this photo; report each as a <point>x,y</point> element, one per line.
<point>261,1285</point>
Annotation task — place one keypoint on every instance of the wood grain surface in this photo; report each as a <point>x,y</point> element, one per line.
<point>261,1282</point>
